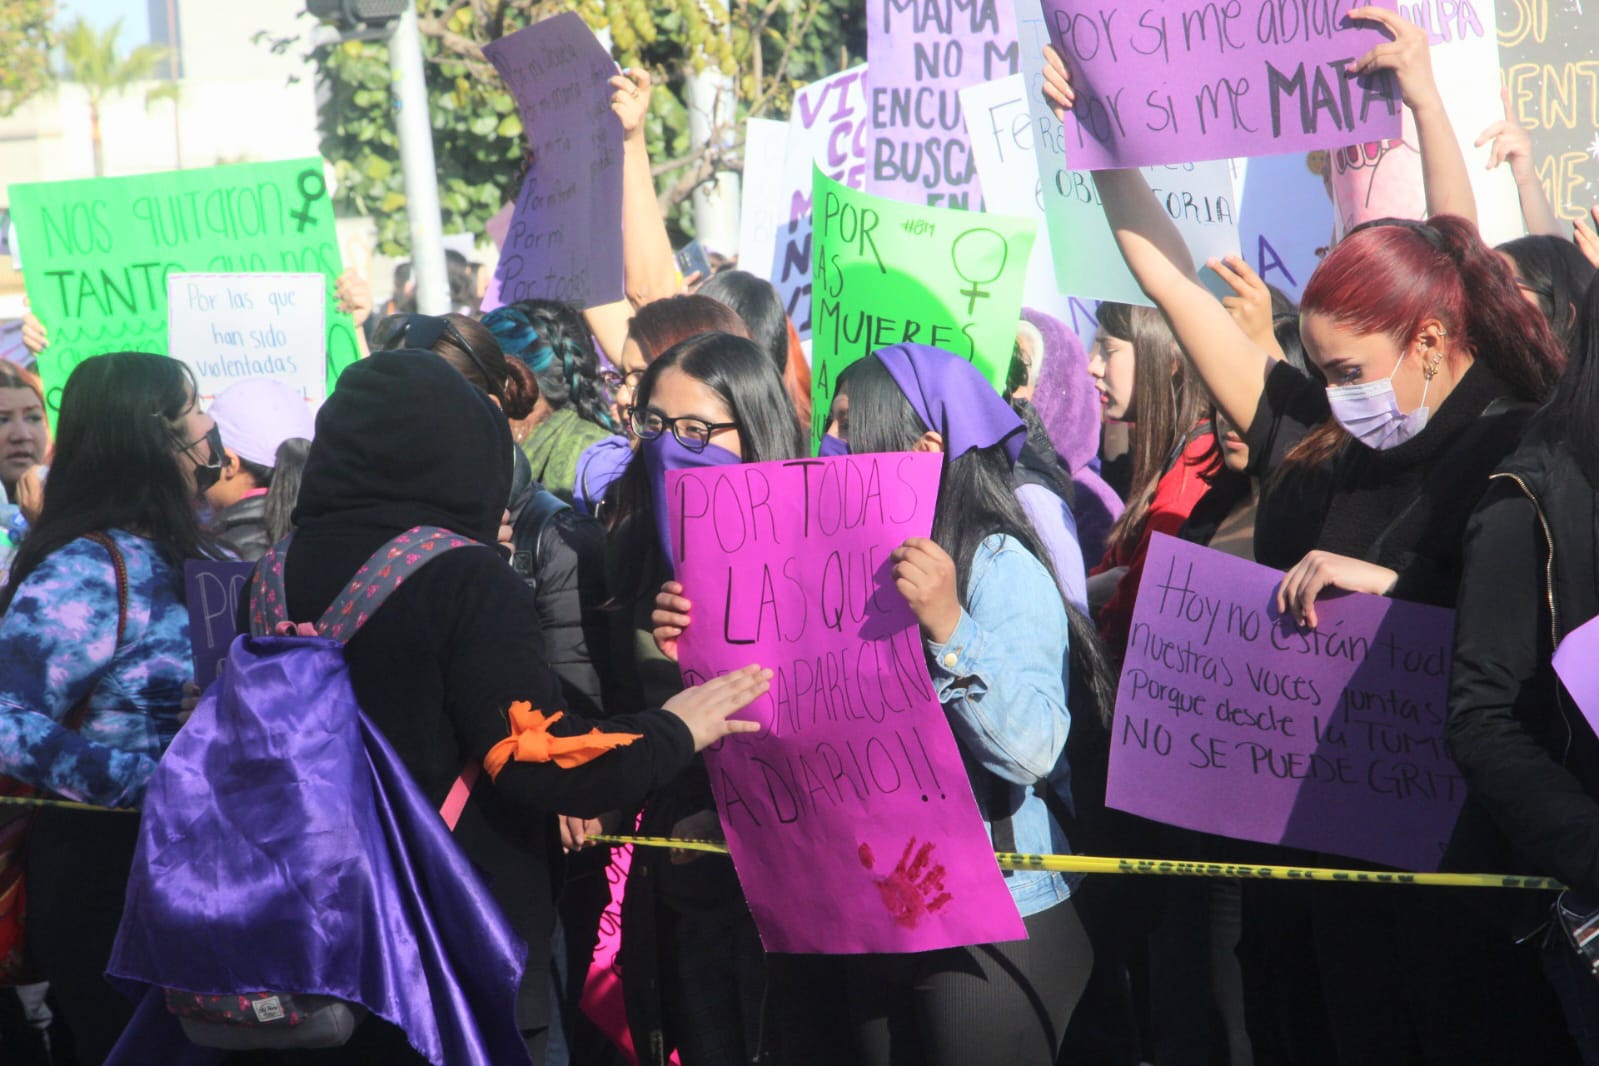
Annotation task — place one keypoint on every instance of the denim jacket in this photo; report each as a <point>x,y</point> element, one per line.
<point>1002,678</point>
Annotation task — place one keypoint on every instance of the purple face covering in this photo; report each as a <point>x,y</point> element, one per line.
<point>953,399</point>
<point>667,453</point>
<point>832,447</point>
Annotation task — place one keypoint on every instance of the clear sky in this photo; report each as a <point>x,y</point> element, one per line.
<point>135,16</point>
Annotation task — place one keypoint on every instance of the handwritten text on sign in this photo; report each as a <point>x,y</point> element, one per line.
<point>1231,719</point>
<point>231,327</point>
<point>565,241</point>
<point>211,590</point>
<point>99,252</point>
<point>923,53</point>
<point>850,816</point>
<point>890,273</point>
<point>1177,81</point>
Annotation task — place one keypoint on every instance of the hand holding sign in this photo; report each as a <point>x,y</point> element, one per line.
<point>1321,572</point>
<point>1250,303</point>
<point>1057,83</point>
<point>632,101</point>
<point>1408,55</point>
<point>925,575</point>
<point>670,618</point>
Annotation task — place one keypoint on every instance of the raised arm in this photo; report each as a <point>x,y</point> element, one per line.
<point>648,265</point>
<point>1409,56</point>
<point>1232,366</point>
<point>1512,145</point>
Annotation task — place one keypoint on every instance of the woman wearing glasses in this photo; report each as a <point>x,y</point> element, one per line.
<point>696,972</point>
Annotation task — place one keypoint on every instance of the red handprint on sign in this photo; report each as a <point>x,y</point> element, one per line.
<point>915,888</point>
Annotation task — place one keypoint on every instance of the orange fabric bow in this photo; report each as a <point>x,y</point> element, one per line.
<point>532,741</point>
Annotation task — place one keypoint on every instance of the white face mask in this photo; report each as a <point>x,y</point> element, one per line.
<point>1370,412</point>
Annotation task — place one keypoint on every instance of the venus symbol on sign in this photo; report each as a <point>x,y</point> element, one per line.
<point>312,188</point>
<point>979,246</point>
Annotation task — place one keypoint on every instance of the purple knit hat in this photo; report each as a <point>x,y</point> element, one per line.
<point>1065,397</point>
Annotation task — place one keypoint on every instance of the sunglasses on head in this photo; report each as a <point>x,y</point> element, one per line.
<point>424,331</point>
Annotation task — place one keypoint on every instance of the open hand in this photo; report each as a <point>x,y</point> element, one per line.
<point>706,708</point>
<point>670,618</point>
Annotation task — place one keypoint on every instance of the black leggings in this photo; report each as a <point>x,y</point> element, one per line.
<point>1002,1003</point>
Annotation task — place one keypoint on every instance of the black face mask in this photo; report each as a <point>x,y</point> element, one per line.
<point>208,473</point>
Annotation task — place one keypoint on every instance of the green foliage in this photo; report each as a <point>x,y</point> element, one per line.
<point>477,136</point>
<point>91,60</point>
<point>26,38</point>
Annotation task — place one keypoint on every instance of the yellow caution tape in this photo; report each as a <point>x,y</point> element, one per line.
<point>71,805</point>
<point>1094,864</point>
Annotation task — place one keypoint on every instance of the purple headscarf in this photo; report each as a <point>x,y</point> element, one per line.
<point>953,399</point>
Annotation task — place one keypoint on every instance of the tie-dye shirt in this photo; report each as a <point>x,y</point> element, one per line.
<point>58,642</point>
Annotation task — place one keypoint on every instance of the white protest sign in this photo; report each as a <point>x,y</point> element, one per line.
<point>760,213</point>
<point>229,327</point>
<point>1198,196</point>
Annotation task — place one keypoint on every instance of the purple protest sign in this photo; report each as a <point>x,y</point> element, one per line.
<point>1182,81</point>
<point>922,54</point>
<point>849,815</point>
<point>211,590</point>
<point>1230,719</point>
<point>565,238</point>
<point>1577,665</point>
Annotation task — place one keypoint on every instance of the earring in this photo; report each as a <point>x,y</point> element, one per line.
<point>1431,368</point>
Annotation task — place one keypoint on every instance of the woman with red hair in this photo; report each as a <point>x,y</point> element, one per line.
<point>1433,362</point>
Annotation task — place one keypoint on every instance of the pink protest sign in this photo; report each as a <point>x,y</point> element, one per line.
<point>1180,81</point>
<point>1230,719</point>
<point>1577,664</point>
<point>849,815</point>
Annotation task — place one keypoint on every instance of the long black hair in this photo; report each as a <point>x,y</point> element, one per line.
<point>1573,411</point>
<point>117,462</point>
<point>1556,271</point>
<point>283,492</point>
<point>976,499</point>
<point>741,374</point>
<point>757,303</point>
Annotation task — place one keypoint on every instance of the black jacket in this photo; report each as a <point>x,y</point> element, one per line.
<point>1531,577</point>
<point>560,555</point>
<point>241,528</point>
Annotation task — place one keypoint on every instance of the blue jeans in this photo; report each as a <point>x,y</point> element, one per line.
<point>1577,989</point>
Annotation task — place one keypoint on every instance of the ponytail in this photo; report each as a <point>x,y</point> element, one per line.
<point>521,390</point>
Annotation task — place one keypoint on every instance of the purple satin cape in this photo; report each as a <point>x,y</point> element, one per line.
<point>284,846</point>
<point>953,399</point>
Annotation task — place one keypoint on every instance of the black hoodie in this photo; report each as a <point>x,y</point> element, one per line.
<point>403,441</point>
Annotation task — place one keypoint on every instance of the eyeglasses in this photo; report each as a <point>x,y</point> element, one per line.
<point>692,433</point>
<point>424,331</point>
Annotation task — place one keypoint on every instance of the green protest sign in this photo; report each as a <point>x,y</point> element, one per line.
<point>96,253</point>
<point>885,273</point>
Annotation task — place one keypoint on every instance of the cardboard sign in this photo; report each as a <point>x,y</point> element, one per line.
<point>888,273</point>
<point>1199,197</point>
<point>231,327</point>
<point>923,52</point>
<point>850,815</point>
<point>99,252</point>
<point>1231,719</point>
<point>213,590</point>
<point>565,239</point>
<point>1179,81</point>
